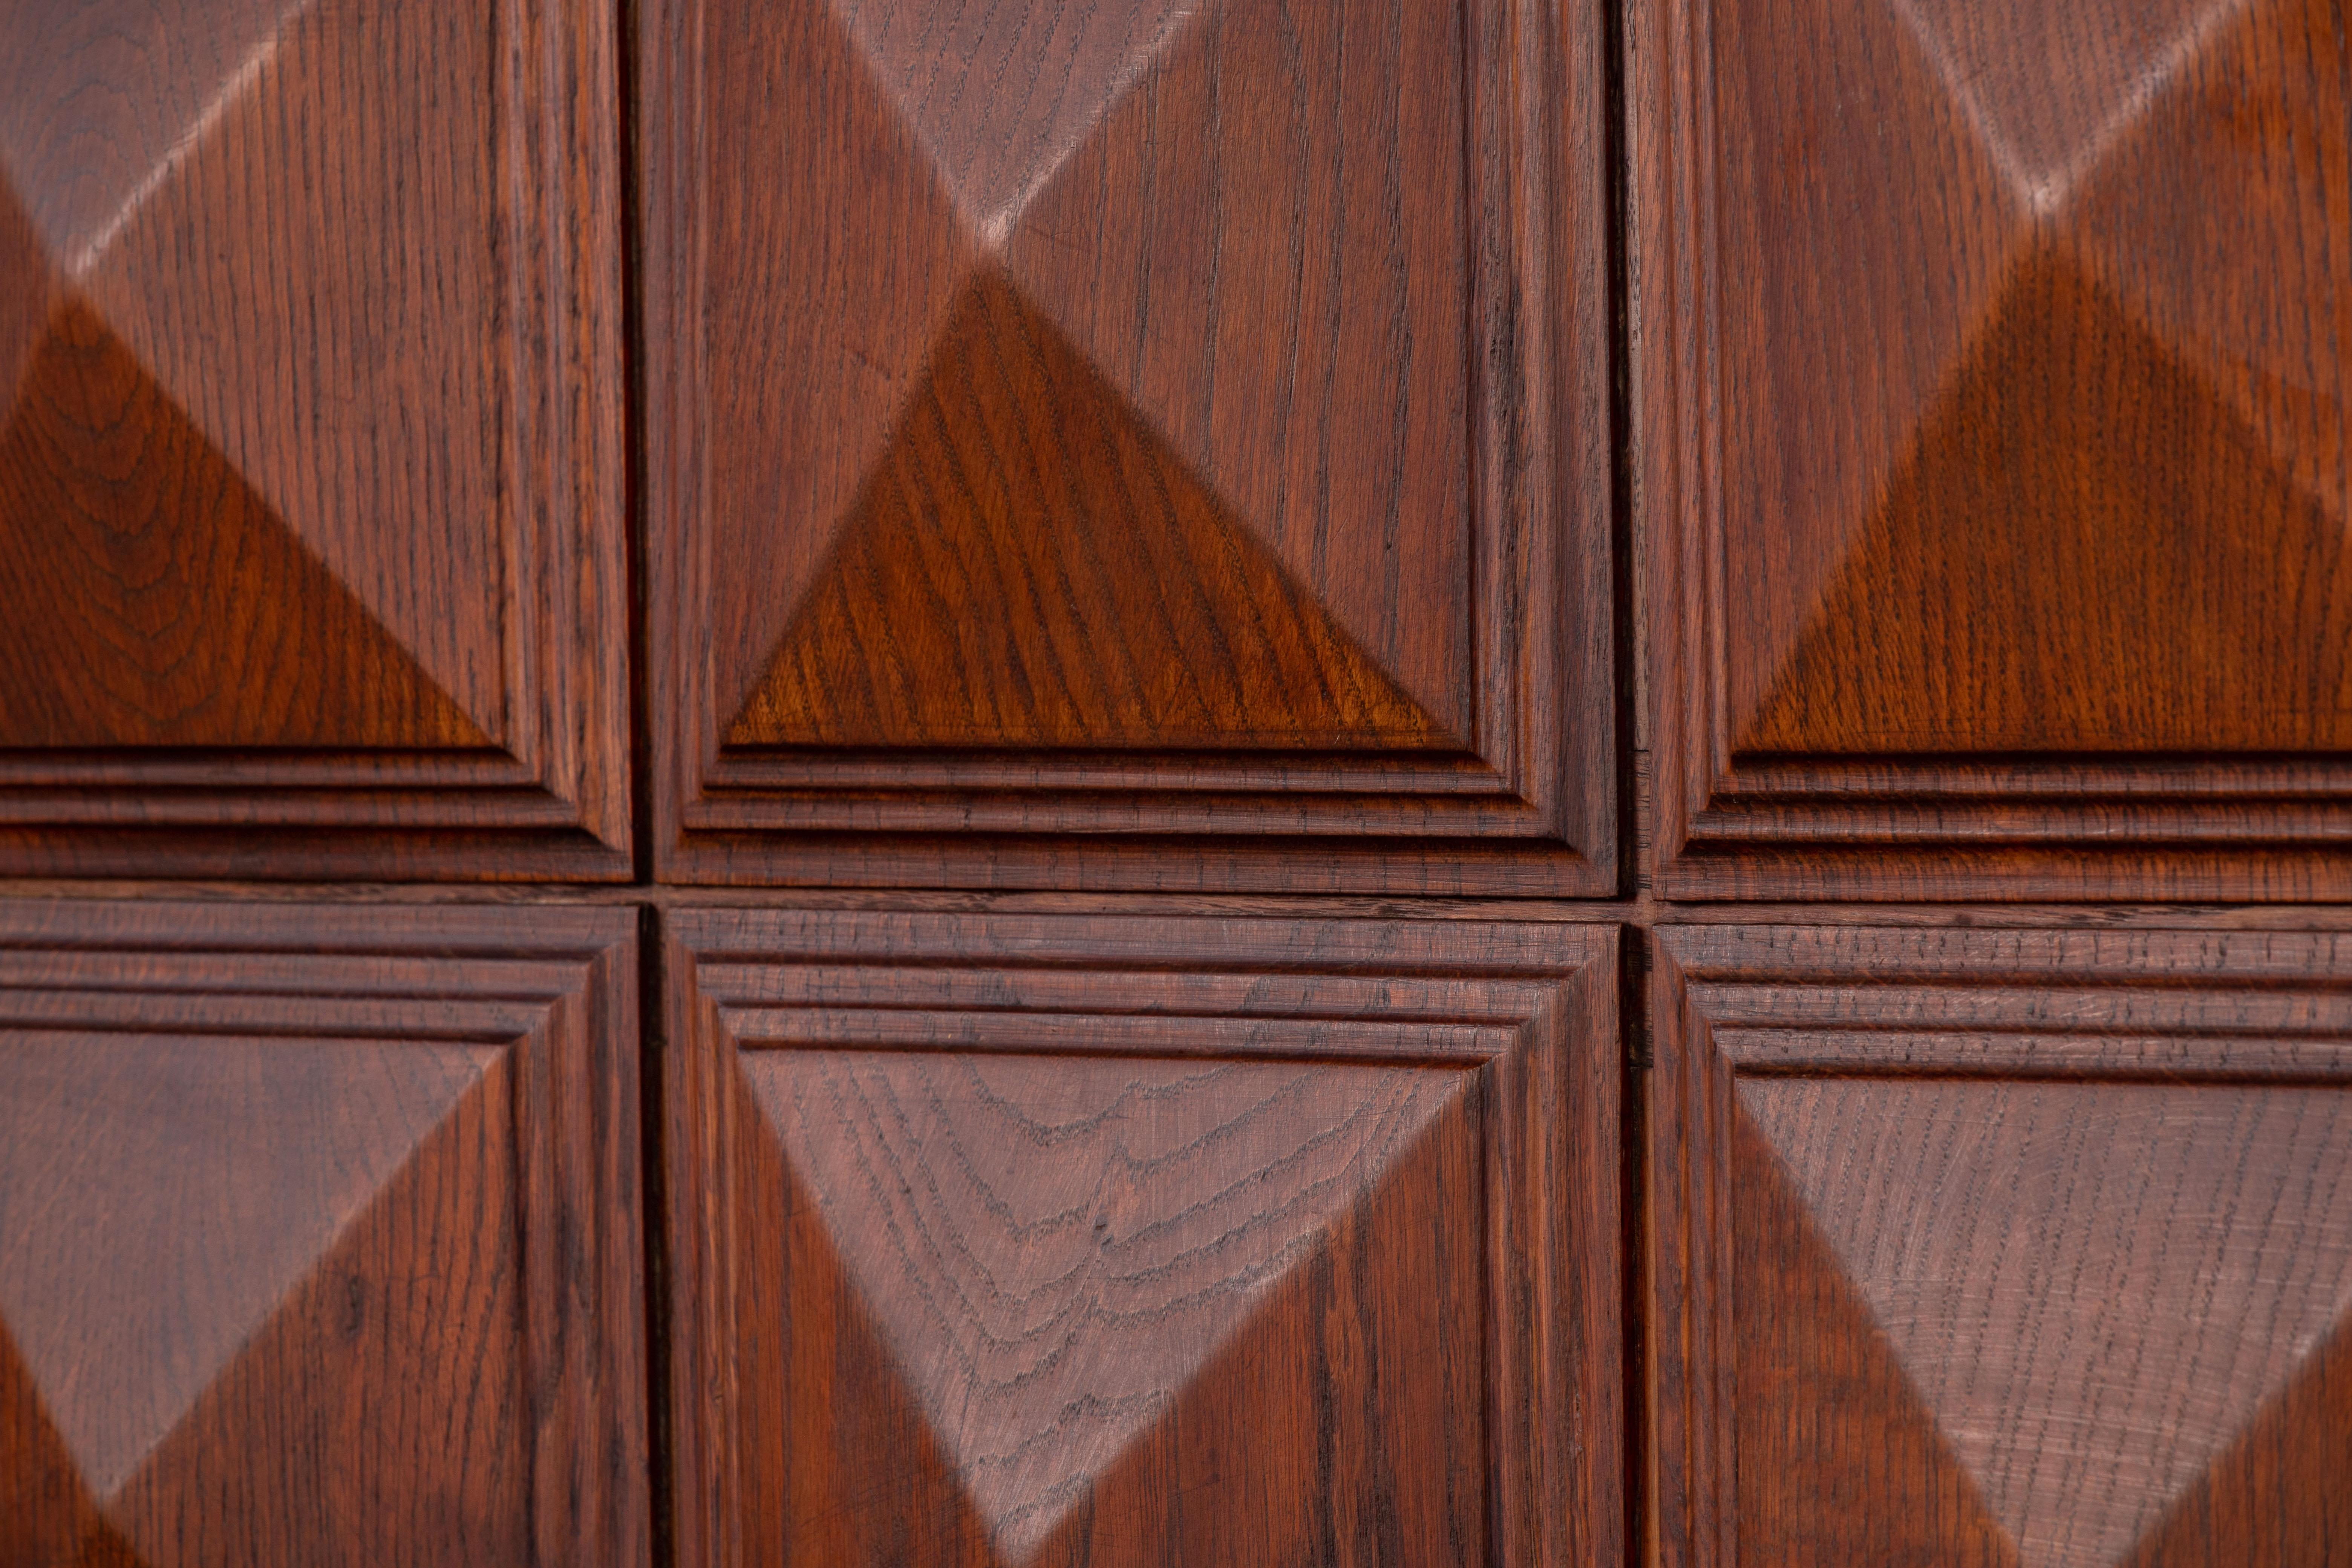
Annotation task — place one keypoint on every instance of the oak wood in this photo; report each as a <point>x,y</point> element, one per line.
<point>1984,1245</point>
<point>1038,1239</point>
<point>1129,677</point>
<point>318,1236</point>
<point>1196,636</point>
<point>310,441</point>
<point>1992,446</point>
<point>1138,445</point>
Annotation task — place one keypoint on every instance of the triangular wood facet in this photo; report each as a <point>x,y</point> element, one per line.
<point>1325,402</point>
<point>1053,1249</point>
<point>1838,1460</point>
<point>148,597</point>
<point>2046,1262</point>
<point>359,166</point>
<point>857,1475</point>
<point>868,244</point>
<point>393,1377</point>
<point>2208,236</point>
<point>2281,1486</point>
<point>2088,552</point>
<point>999,95</point>
<point>159,1197</point>
<point>1853,342</point>
<point>2049,86</point>
<point>1395,1292</point>
<point>46,1515</point>
<point>1028,566</point>
<point>97,98</point>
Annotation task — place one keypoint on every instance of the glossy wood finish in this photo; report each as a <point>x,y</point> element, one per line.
<point>1069,423</point>
<point>310,441</point>
<point>1003,1239</point>
<point>318,1236</point>
<point>2002,1246</point>
<point>1126,642</point>
<point>1993,422</point>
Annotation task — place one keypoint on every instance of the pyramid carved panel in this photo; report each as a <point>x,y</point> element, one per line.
<point>181,611</point>
<point>1125,404</point>
<point>2161,586</point>
<point>2083,1372</point>
<point>127,1291</point>
<point>2040,1245</point>
<point>1086,1253</point>
<point>298,459</point>
<point>1085,590</point>
<point>2030,341</point>
<point>279,1228</point>
<point>1056,1254</point>
<point>1839,1459</point>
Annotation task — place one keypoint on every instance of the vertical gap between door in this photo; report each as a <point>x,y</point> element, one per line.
<point>1623,536</point>
<point>1634,1202</point>
<point>632,448</point>
<point>652,1035</point>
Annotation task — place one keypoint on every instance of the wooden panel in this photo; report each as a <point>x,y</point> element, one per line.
<point>319,1237</point>
<point>309,440</point>
<point>2003,1246</point>
<point>1003,1239</point>
<point>1994,424</point>
<point>1186,421</point>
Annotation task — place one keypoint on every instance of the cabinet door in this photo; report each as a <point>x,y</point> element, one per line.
<point>1994,367</point>
<point>2003,1246</point>
<point>1123,1241</point>
<point>319,1237</point>
<point>1070,422</point>
<point>310,526</point>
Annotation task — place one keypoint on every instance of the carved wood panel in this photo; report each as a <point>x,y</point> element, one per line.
<point>1032,1240</point>
<point>2003,1246</point>
<point>318,1236</point>
<point>1136,419</point>
<point>311,439</point>
<point>1994,425</point>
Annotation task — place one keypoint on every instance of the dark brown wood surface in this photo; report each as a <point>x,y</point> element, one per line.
<point>1206,625</point>
<point>1068,424</point>
<point>311,548</point>
<point>1992,421</point>
<point>320,1236</point>
<point>1986,1245</point>
<point>1037,1240</point>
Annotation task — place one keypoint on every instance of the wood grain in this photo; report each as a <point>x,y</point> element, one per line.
<point>1083,159</point>
<point>1081,589</point>
<point>2092,1286</point>
<point>2040,1254</point>
<point>319,1237</point>
<point>181,613</point>
<point>1992,425</point>
<point>2220,587</point>
<point>2276,1496</point>
<point>1153,1241</point>
<point>1839,1459</point>
<point>1078,1267</point>
<point>310,436</point>
<point>1198,413</point>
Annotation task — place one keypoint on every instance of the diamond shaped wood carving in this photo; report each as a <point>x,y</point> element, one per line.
<point>309,438</point>
<point>1031,1241</point>
<point>1138,420</point>
<point>319,1237</point>
<point>2029,325</point>
<point>2003,1246</point>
